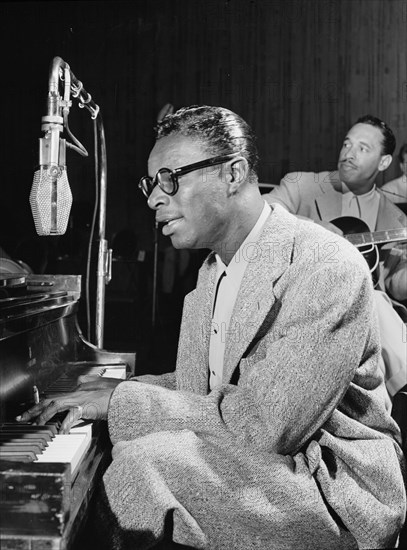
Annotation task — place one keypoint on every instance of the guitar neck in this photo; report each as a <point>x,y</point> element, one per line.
<point>377,237</point>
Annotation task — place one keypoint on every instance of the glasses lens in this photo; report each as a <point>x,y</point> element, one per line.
<point>146,185</point>
<point>165,180</point>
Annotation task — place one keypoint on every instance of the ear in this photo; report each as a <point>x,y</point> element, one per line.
<point>385,162</point>
<point>236,174</point>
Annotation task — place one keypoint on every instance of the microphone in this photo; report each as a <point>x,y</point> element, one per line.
<point>51,197</point>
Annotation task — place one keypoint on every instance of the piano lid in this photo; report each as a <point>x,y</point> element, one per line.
<point>27,302</point>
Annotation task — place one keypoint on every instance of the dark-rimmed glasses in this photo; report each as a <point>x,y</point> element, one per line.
<point>167,179</point>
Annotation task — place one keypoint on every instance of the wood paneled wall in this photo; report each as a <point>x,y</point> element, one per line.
<point>299,71</point>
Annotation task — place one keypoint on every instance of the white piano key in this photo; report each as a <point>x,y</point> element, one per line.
<point>115,372</point>
<point>68,448</point>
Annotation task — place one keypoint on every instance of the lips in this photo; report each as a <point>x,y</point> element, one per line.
<point>167,220</point>
<point>169,224</point>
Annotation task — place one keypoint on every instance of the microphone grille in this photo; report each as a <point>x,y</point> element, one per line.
<point>51,201</point>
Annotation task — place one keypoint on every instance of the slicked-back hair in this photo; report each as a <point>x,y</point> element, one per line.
<point>389,141</point>
<point>402,152</point>
<point>220,130</point>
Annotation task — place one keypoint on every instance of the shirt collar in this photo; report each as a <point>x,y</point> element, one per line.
<point>245,252</point>
<point>369,194</point>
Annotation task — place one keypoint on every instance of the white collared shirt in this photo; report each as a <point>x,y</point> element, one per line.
<point>364,207</point>
<point>228,281</point>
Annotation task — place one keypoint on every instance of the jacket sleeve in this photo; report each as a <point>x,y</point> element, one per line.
<point>394,347</point>
<point>291,381</point>
<point>166,380</point>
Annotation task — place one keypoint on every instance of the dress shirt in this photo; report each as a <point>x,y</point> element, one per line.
<point>364,207</point>
<point>228,281</point>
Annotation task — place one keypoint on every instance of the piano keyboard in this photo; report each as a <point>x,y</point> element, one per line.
<point>29,443</point>
<point>43,444</point>
<point>69,447</point>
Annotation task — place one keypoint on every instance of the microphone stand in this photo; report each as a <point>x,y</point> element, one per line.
<point>74,86</point>
<point>104,266</point>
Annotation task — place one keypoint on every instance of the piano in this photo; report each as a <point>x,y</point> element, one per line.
<point>47,479</point>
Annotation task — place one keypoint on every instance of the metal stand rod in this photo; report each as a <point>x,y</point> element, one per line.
<point>103,267</point>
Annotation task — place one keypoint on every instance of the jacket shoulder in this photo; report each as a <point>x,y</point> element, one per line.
<point>389,213</point>
<point>322,179</point>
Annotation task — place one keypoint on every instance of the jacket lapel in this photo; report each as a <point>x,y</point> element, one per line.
<point>256,297</point>
<point>329,203</point>
<point>193,347</point>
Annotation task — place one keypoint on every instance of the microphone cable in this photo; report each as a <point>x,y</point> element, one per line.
<point>77,145</point>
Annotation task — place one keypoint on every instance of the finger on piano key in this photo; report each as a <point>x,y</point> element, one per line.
<point>93,404</point>
<point>36,395</point>
<point>47,409</point>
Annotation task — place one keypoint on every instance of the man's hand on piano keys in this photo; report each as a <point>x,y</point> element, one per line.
<point>96,382</point>
<point>90,405</point>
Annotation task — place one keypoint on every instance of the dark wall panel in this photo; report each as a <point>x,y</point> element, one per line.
<point>300,71</point>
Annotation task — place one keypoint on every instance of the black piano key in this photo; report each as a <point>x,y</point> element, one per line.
<point>16,455</point>
<point>41,442</point>
<point>17,458</point>
<point>51,428</point>
<point>20,447</point>
<point>30,434</point>
<point>35,436</point>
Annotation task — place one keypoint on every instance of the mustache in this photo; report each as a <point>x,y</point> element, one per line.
<point>345,161</point>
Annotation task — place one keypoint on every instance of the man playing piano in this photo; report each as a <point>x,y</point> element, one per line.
<point>272,431</point>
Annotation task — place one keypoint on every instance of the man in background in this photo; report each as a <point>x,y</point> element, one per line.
<point>351,191</point>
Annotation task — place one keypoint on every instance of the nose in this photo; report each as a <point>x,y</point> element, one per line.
<point>157,198</point>
<point>349,153</point>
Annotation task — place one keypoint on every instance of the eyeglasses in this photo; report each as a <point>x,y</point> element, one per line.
<point>167,179</point>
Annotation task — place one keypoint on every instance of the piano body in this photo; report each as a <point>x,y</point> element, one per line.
<point>45,500</point>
